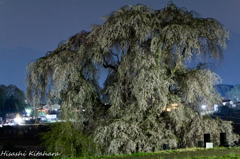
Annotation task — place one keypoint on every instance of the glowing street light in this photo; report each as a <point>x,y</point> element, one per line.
<point>18,120</point>
<point>28,111</point>
<point>204,106</point>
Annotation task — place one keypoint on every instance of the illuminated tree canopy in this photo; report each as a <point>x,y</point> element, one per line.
<point>144,51</point>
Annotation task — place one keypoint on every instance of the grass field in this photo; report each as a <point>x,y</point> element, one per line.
<point>188,153</point>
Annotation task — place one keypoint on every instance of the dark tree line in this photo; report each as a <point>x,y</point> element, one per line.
<point>12,99</point>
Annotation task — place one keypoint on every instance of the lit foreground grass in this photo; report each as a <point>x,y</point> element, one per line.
<point>187,153</point>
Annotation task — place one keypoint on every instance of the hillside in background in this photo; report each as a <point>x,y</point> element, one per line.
<point>229,91</point>
<point>223,89</point>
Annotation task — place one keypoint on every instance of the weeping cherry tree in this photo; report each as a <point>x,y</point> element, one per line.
<point>149,95</point>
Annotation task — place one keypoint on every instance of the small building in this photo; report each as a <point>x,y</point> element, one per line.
<point>55,107</point>
<point>171,107</point>
<point>227,102</point>
<point>237,105</point>
<point>51,116</point>
<point>50,112</point>
<point>47,108</point>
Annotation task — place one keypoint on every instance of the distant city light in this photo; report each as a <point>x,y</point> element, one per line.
<point>28,111</point>
<point>204,106</point>
<point>18,120</point>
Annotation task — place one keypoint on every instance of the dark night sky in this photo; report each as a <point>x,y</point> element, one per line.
<point>30,28</point>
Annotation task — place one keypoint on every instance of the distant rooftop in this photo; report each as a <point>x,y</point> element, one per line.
<point>226,100</point>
